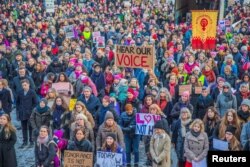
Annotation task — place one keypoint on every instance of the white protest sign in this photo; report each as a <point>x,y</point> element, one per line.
<point>222,24</point>
<point>108,159</point>
<point>145,123</point>
<point>50,6</point>
<point>69,31</point>
<point>220,145</point>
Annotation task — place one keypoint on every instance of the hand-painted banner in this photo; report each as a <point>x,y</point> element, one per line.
<point>204,29</point>
<point>108,159</point>
<point>77,158</point>
<point>134,57</point>
<point>145,123</point>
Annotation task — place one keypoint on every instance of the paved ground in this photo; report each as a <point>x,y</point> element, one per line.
<point>26,158</point>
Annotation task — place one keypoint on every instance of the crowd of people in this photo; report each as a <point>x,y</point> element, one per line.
<point>35,54</point>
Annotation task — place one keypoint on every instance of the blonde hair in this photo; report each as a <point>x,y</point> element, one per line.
<point>8,128</point>
<point>155,106</point>
<point>199,122</point>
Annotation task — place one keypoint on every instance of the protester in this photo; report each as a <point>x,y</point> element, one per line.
<point>234,144</point>
<point>5,98</point>
<point>8,140</point>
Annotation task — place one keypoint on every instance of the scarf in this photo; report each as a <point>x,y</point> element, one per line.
<point>41,141</point>
<point>244,95</point>
<point>163,104</point>
<point>243,115</point>
<point>77,74</point>
<point>78,143</point>
<point>183,126</point>
<point>172,89</point>
<point>41,110</point>
<point>228,96</point>
<point>195,134</point>
<point>57,116</point>
<point>159,136</point>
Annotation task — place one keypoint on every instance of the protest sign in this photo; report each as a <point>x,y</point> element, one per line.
<point>222,24</point>
<point>108,159</point>
<point>96,35</point>
<point>69,31</point>
<point>220,145</point>
<point>145,123</point>
<point>134,57</point>
<point>183,88</point>
<point>72,103</point>
<point>62,87</point>
<point>100,43</point>
<point>77,158</point>
<point>50,6</point>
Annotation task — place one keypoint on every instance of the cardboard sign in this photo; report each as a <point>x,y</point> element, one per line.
<point>134,57</point>
<point>72,104</point>
<point>50,6</point>
<point>69,31</point>
<point>183,88</point>
<point>108,159</point>
<point>197,90</point>
<point>61,87</point>
<point>100,43</point>
<point>77,158</point>
<point>96,35</point>
<point>145,123</point>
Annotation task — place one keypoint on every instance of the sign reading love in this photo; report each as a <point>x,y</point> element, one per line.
<point>145,123</point>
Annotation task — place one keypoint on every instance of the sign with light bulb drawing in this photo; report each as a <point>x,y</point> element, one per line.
<point>204,29</point>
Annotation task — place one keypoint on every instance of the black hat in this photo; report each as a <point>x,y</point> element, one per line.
<point>97,65</point>
<point>231,129</point>
<point>162,124</point>
<point>113,135</point>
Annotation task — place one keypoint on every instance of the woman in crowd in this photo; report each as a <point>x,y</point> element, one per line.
<point>45,148</point>
<point>132,140</point>
<point>172,86</point>
<point>226,100</point>
<point>38,75</point>
<point>51,96</point>
<point>217,89</point>
<point>179,131</point>
<point>234,144</point>
<point>230,118</point>
<point>81,108</point>
<point>80,142</point>
<point>244,111</point>
<point>60,116</point>
<point>132,99</point>
<point>148,101</point>
<point>41,115</point>
<point>109,125</point>
<point>8,140</point>
<point>196,143</point>
<point>211,120</point>
<point>160,145</point>
<point>242,93</point>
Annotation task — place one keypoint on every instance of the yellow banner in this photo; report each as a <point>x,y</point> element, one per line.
<point>204,29</point>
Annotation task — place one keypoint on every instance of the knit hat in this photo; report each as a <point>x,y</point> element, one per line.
<point>117,77</point>
<point>231,129</point>
<point>197,68</point>
<point>226,84</point>
<point>229,57</point>
<point>107,98</point>
<point>246,102</point>
<point>44,100</point>
<point>113,135</point>
<point>81,116</point>
<point>220,79</point>
<point>130,90</point>
<point>186,93</point>
<point>109,115</point>
<point>161,124</point>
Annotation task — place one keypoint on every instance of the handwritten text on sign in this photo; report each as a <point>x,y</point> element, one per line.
<point>78,159</point>
<point>134,57</point>
<point>145,123</point>
<point>108,159</point>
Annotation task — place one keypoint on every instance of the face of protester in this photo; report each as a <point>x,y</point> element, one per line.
<point>193,80</point>
<point>42,104</point>
<point>43,133</point>
<point>62,78</point>
<point>105,103</point>
<point>191,59</point>
<point>79,135</point>
<point>228,136</point>
<point>153,111</point>
<point>197,128</point>
<point>158,131</point>
<point>204,93</point>
<point>230,117</point>
<point>3,120</point>
<point>86,93</point>
<point>78,108</point>
<point>18,57</point>
<point>184,98</point>
<point>25,86</point>
<point>110,122</point>
<point>225,88</point>
<point>109,141</point>
<point>97,69</point>
<point>244,108</point>
<point>80,121</point>
<point>130,95</point>
<point>244,89</point>
<point>210,114</point>
<point>184,115</point>
<point>172,80</point>
<point>59,101</point>
<point>149,101</point>
<point>246,79</point>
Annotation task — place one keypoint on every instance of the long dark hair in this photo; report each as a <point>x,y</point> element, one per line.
<point>65,76</point>
<point>64,105</point>
<point>215,119</point>
<point>113,147</point>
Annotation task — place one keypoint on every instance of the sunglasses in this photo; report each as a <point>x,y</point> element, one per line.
<point>225,87</point>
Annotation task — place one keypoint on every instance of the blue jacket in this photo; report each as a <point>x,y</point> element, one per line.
<point>234,69</point>
<point>92,104</point>
<point>245,136</point>
<point>128,123</point>
<point>88,64</point>
<point>99,81</point>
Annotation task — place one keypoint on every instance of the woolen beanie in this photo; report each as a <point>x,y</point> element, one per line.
<point>113,135</point>
<point>231,129</point>
<point>45,101</point>
<point>109,115</point>
<point>246,102</point>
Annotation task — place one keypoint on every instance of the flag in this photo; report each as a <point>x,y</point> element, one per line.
<point>204,23</point>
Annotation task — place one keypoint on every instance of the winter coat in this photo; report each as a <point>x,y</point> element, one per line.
<point>79,87</point>
<point>245,136</point>
<point>233,66</point>
<point>25,104</point>
<point>92,104</point>
<point>103,61</point>
<point>215,93</point>
<point>222,106</point>
<point>202,105</point>
<point>177,138</point>
<point>45,153</point>
<point>210,131</point>
<point>196,147</point>
<point>175,113</point>
<point>128,124</point>
<point>99,81</point>
<point>4,68</point>
<point>87,114</point>
<point>88,64</point>
<point>83,145</point>
<point>103,131</point>
<point>232,78</point>
<point>176,96</point>
<point>17,86</point>
<point>38,119</point>
<point>89,134</point>
<point>38,79</point>
<point>135,103</point>
<point>122,93</point>
<point>239,97</point>
<point>7,150</point>
<point>5,98</point>
<point>100,115</point>
<point>244,117</point>
<point>160,150</point>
